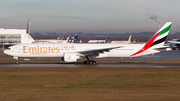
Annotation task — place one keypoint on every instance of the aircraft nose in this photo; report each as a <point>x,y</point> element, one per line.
<point>5,51</point>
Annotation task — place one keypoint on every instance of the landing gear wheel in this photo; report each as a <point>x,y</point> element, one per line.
<point>90,62</point>
<point>93,62</point>
<point>86,62</point>
<point>16,58</point>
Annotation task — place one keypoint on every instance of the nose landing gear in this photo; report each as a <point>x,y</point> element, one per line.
<point>16,58</point>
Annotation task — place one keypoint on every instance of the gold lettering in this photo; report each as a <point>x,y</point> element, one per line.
<point>45,50</point>
<point>38,49</point>
<point>32,48</point>
<point>52,49</point>
<point>71,47</point>
<point>41,49</point>
<point>57,48</point>
<point>65,46</point>
<point>49,48</point>
<point>24,48</point>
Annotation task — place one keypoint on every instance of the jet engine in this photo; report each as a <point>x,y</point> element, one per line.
<point>70,57</point>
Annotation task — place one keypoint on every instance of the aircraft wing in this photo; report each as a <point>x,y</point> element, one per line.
<point>96,52</point>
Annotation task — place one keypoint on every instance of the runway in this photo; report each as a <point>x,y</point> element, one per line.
<point>98,65</point>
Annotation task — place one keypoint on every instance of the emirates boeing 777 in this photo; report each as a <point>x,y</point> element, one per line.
<point>71,52</point>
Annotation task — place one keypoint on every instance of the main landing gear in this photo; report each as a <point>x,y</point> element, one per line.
<point>89,60</point>
<point>16,58</point>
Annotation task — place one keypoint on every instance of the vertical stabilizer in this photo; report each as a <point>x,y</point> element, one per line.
<point>129,40</point>
<point>157,40</point>
<point>161,35</point>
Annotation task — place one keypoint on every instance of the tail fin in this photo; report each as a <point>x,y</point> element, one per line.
<point>160,36</point>
<point>135,40</point>
<point>158,39</point>
<point>129,40</point>
<point>75,39</point>
<point>107,40</point>
<point>68,38</point>
<point>81,41</point>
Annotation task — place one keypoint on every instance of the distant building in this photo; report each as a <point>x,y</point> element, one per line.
<point>42,41</point>
<point>44,34</point>
<point>96,41</point>
<point>112,42</point>
<point>14,36</point>
<point>99,41</point>
<point>122,42</point>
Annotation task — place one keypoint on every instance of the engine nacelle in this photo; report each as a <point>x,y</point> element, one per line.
<point>70,57</point>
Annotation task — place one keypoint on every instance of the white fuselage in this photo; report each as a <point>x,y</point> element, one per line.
<point>58,50</point>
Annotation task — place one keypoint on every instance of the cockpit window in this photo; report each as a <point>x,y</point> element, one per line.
<point>9,48</point>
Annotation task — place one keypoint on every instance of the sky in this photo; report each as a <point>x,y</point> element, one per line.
<point>90,16</point>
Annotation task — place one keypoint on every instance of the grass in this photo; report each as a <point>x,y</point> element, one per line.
<point>89,84</point>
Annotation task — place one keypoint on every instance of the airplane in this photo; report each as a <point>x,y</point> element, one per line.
<point>122,42</point>
<point>71,52</point>
<point>58,40</point>
<point>135,40</point>
<point>175,41</point>
<point>107,40</point>
<point>80,41</point>
<point>72,39</point>
<point>175,44</point>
